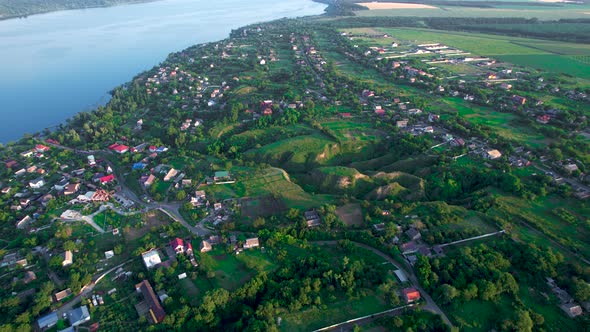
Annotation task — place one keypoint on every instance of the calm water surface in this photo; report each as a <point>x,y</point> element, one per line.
<point>55,65</point>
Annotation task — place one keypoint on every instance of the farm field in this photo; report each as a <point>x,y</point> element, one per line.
<point>546,13</point>
<point>549,56</point>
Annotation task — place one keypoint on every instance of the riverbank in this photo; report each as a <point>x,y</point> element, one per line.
<point>86,53</point>
<point>8,10</point>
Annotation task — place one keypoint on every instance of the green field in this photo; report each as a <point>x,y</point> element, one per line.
<point>352,131</point>
<point>541,215</point>
<point>232,271</point>
<point>551,56</point>
<point>501,122</point>
<point>547,13</point>
<point>271,181</point>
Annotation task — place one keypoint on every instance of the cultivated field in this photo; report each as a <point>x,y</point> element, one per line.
<point>393,5</point>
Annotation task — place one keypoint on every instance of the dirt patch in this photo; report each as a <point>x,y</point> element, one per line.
<point>262,206</point>
<point>393,5</point>
<point>152,219</point>
<point>351,214</point>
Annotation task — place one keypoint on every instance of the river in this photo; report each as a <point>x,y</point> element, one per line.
<point>57,64</point>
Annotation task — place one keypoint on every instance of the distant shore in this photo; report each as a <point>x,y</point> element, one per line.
<point>33,12</point>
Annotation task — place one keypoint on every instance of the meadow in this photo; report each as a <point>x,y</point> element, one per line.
<point>547,13</point>
<point>551,56</point>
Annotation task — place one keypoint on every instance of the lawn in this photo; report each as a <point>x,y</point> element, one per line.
<point>232,271</point>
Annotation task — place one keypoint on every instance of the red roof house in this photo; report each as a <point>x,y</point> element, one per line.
<point>178,245</point>
<point>152,148</point>
<point>345,115</point>
<point>411,294</point>
<point>189,248</point>
<point>107,179</point>
<point>267,111</point>
<point>41,148</point>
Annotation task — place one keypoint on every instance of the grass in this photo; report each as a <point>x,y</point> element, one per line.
<point>342,310</point>
<point>293,153</point>
<point>502,122</point>
<point>541,215</point>
<point>549,13</point>
<point>232,271</point>
<point>352,131</point>
<point>270,181</point>
<point>550,56</point>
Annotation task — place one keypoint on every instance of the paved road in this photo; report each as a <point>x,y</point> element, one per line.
<point>430,304</point>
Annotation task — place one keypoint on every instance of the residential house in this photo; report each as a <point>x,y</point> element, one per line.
<point>177,245</point>
<point>401,123</point>
<point>106,179</point>
<point>71,189</point>
<point>519,100</point>
<point>411,295</point>
<point>61,185</point>
<point>37,183</point>
<point>68,258</point>
<point>30,276</point>
<point>413,234</point>
<point>154,313</point>
<point>24,222</point>
<point>151,258</point>
<point>149,181</point>
<point>409,247</point>
<point>251,243</point>
<point>312,218</point>
<point>571,309</point>
<point>544,119</point>
<point>493,154</point>
<point>570,168</point>
<point>48,321</point>
<point>27,154</point>
<point>41,148</point>
<point>119,148</point>
<point>171,173</point>
<point>221,176</point>
<point>205,246</point>
<point>78,315</point>
<point>62,294</point>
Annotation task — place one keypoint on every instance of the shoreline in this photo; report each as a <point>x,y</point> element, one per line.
<point>24,16</point>
<point>104,101</point>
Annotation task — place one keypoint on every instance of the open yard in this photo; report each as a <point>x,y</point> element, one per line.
<point>351,214</point>
<point>267,191</point>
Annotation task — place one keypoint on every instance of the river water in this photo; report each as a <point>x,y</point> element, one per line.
<point>57,64</point>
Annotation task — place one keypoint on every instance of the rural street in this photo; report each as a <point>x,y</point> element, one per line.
<point>86,290</point>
